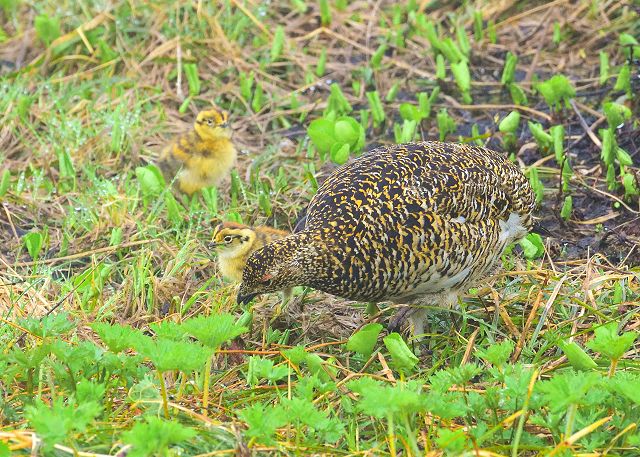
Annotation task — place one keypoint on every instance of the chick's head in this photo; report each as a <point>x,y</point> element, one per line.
<point>232,240</point>
<point>272,268</point>
<point>212,124</point>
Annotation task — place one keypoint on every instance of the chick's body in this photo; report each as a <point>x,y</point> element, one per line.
<point>201,157</point>
<point>236,242</point>
<point>408,223</point>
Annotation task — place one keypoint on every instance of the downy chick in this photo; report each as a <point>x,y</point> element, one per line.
<point>234,244</point>
<point>201,157</point>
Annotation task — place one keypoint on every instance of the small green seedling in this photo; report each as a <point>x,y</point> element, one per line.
<point>542,138</point>
<point>567,208</point>
<point>446,124</point>
<point>375,104</point>
<point>556,91</point>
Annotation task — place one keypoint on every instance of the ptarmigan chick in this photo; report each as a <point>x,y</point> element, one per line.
<point>415,223</point>
<point>234,244</point>
<point>201,157</point>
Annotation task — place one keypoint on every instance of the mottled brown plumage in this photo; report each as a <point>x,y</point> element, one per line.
<point>201,157</point>
<point>412,223</point>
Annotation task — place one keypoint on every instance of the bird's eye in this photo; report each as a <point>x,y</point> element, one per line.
<point>227,239</point>
<point>209,121</point>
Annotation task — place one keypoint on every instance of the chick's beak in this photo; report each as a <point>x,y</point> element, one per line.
<point>244,299</point>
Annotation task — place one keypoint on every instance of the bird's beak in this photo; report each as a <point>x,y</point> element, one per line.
<point>244,299</point>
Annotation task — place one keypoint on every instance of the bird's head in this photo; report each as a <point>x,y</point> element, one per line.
<point>213,124</point>
<point>276,266</point>
<point>231,239</point>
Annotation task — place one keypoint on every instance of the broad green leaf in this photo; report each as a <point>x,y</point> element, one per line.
<point>339,153</point>
<point>578,358</point>
<point>278,43</point>
<point>608,343</point>
<point>151,180</point>
<point>403,359</point>
<point>510,123</point>
<point>532,246</point>
<point>33,242</point>
<point>47,28</point>
<point>616,114</point>
<point>322,134</point>
<point>365,339</point>
<point>154,435</point>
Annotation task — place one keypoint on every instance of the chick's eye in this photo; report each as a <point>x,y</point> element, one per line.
<point>209,122</point>
<point>227,239</point>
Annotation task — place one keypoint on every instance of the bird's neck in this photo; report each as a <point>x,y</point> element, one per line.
<point>311,254</point>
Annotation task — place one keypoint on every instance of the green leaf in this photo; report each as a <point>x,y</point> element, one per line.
<point>321,65</point>
<point>115,336</point>
<point>543,139</point>
<point>4,449</point>
<point>624,157</point>
<point>462,76</point>
<point>325,12</point>
<point>213,330</point>
<point>278,43</point>
<point>377,111</point>
<point>609,145</point>
<point>365,339</point>
<point>5,181</point>
<point>337,103</point>
<point>151,180</point>
<point>376,57</point>
<point>401,356</point>
<point>47,28</point>
<point>578,358</point>
<point>321,132</point>
<point>173,209</point>
<point>410,112</point>
<point>446,124</point>
<point>347,130</point>
<point>55,423</point>
<point>33,242</point>
<point>631,188</point>
<point>154,436</point>
<point>556,90</point>
<point>567,208</point>
<point>532,246</point>
<point>624,79</point>
<point>497,354</point>
<point>608,343</point>
<point>191,72</point>
<point>604,67</point>
<point>518,95</point>
<point>568,388</point>
<point>536,184</point>
<point>441,71</point>
<point>508,73</point>
<point>339,153</point>
<point>169,355</point>
<point>557,134</point>
<point>263,421</point>
<point>510,123</point>
<point>616,114</point>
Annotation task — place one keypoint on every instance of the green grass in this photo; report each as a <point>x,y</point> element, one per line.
<point>117,330</point>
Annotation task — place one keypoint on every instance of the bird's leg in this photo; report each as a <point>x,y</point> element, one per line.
<point>416,315</point>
